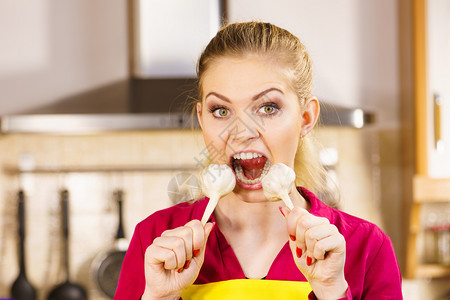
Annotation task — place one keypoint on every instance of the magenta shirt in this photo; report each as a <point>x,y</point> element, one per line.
<point>371,268</point>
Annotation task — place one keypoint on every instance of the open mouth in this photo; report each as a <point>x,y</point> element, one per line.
<point>250,167</point>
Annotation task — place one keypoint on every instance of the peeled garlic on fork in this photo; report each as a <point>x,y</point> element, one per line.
<point>278,182</point>
<point>217,181</point>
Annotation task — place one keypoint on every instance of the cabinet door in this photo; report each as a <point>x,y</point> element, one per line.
<point>438,97</point>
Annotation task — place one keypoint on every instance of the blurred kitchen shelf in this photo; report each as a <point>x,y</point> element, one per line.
<point>432,271</point>
<point>330,115</point>
<point>425,190</point>
<point>93,123</point>
<point>106,169</point>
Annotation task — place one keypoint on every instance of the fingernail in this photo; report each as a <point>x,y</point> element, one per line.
<point>292,237</point>
<point>180,270</point>
<point>281,210</point>
<point>196,252</point>
<point>308,260</point>
<point>299,252</point>
<point>186,264</point>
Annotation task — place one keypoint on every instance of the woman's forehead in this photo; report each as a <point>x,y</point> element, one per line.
<point>252,73</point>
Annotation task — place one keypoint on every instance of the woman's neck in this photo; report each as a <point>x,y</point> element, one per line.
<point>245,209</point>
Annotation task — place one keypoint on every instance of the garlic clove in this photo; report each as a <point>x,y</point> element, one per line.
<point>278,182</point>
<point>217,181</point>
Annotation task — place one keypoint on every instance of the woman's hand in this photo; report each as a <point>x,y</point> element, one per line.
<point>319,252</point>
<point>173,261</point>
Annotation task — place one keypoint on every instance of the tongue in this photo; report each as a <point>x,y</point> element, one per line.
<point>253,167</point>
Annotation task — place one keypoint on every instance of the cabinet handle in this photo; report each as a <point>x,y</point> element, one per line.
<point>438,144</point>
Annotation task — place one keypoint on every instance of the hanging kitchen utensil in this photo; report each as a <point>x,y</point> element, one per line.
<point>22,288</point>
<point>107,265</point>
<point>67,290</point>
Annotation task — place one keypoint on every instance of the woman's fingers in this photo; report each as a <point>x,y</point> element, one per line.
<point>180,241</point>
<point>292,218</point>
<point>176,245</point>
<point>299,221</point>
<point>313,236</point>
<point>173,260</point>
<point>199,236</point>
<point>176,248</point>
<point>157,255</point>
<point>318,249</point>
<point>334,243</point>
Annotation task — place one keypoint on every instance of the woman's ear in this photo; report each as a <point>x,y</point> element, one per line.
<point>199,114</point>
<point>310,115</point>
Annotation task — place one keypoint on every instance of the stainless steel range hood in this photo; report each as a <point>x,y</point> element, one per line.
<point>161,82</point>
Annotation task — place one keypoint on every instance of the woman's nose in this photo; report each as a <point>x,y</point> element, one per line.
<point>242,129</point>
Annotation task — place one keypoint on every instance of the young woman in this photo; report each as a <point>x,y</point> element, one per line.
<point>255,109</point>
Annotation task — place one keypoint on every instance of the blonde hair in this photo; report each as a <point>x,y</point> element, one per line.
<point>283,48</point>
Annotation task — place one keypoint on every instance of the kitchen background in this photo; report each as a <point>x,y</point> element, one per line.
<point>76,53</point>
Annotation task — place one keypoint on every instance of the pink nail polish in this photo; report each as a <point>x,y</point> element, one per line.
<point>299,252</point>
<point>308,260</point>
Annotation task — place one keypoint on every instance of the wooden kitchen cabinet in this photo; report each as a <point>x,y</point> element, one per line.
<point>426,190</point>
<point>431,81</point>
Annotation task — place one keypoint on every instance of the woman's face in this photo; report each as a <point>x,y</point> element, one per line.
<point>251,118</point>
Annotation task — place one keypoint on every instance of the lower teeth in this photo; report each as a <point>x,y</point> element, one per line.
<point>240,174</point>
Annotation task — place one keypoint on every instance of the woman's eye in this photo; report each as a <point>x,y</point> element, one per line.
<point>268,109</point>
<point>221,112</point>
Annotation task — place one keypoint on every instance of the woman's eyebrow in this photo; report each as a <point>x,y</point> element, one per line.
<point>222,97</point>
<point>256,97</point>
<point>259,95</point>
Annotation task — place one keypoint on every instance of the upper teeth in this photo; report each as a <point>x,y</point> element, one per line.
<point>246,155</point>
